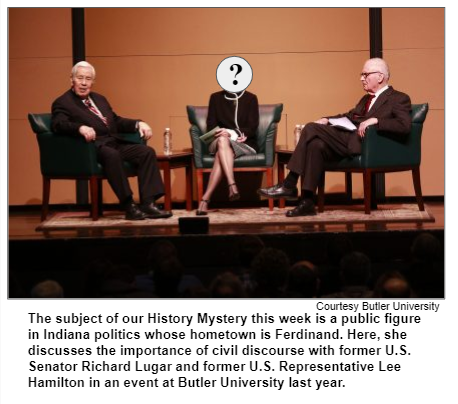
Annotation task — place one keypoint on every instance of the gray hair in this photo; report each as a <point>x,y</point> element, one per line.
<point>82,64</point>
<point>382,66</point>
<point>47,289</point>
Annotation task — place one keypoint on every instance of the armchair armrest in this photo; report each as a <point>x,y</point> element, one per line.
<point>62,156</point>
<point>383,150</point>
<point>198,118</point>
<point>199,147</point>
<point>132,137</point>
<point>269,117</point>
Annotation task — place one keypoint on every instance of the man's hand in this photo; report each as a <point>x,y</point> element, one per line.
<point>145,130</point>
<point>88,133</point>
<point>322,121</point>
<point>363,126</point>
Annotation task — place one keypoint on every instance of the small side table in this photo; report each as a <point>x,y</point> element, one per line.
<point>178,159</point>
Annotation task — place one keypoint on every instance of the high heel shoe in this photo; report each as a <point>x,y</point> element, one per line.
<point>202,212</point>
<point>233,192</point>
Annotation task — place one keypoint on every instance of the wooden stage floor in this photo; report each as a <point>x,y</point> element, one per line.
<point>22,226</point>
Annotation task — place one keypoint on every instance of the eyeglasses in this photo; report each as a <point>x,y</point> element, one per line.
<point>364,75</point>
<point>82,78</point>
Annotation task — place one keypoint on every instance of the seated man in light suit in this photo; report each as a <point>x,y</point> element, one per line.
<point>81,112</point>
<point>382,106</point>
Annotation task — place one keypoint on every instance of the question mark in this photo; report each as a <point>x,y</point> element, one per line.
<point>239,69</point>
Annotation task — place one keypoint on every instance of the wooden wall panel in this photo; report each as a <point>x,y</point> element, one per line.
<point>415,48</point>
<point>40,50</point>
<point>211,31</point>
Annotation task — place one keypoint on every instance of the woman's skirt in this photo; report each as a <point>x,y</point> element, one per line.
<point>240,149</point>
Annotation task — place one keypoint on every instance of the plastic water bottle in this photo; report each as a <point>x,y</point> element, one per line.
<point>297,134</point>
<point>167,141</point>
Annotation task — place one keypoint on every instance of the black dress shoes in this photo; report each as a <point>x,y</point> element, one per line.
<point>153,212</point>
<point>133,212</point>
<point>202,209</point>
<point>306,207</point>
<point>233,192</point>
<point>278,191</point>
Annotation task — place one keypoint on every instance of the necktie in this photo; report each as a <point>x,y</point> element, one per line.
<point>368,103</point>
<point>94,110</point>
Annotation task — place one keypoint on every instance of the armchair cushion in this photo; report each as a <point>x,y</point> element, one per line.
<point>255,160</point>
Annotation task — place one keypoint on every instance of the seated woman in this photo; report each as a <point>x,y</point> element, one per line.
<point>237,115</point>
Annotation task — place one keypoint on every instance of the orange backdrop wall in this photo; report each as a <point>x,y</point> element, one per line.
<point>40,56</point>
<point>151,63</point>
<point>413,41</point>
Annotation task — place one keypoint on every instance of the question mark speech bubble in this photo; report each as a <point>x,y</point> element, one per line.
<point>239,69</point>
<point>234,74</point>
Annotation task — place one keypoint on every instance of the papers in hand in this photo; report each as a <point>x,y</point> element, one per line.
<point>208,137</point>
<point>343,123</point>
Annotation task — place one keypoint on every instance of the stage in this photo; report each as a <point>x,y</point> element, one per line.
<point>62,254</point>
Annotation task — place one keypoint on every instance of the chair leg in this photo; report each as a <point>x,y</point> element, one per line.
<point>100,197</point>
<point>46,193</point>
<point>281,177</point>
<point>93,185</point>
<point>367,177</point>
<point>200,185</point>
<point>320,195</point>
<point>168,186</point>
<point>270,183</point>
<point>349,186</point>
<point>417,187</point>
<point>374,180</point>
<point>188,188</point>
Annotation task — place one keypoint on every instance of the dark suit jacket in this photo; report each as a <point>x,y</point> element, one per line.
<point>69,114</point>
<point>392,109</point>
<point>221,112</point>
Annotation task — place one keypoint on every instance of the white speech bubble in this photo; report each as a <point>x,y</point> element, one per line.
<point>234,74</point>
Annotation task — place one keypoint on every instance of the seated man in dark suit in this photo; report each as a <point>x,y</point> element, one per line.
<point>81,112</point>
<point>382,106</point>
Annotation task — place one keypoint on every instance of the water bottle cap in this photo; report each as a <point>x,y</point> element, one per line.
<point>298,126</point>
<point>167,129</point>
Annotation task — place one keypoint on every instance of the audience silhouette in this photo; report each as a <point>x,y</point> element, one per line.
<point>303,281</point>
<point>47,289</point>
<point>262,272</point>
<point>355,272</point>
<point>392,285</point>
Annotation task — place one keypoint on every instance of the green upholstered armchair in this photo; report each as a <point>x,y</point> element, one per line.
<point>382,153</point>
<point>269,117</point>
<point>70,157</point>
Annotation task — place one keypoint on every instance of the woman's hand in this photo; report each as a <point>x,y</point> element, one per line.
<point>222,132</point>
<point>241,139</point>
